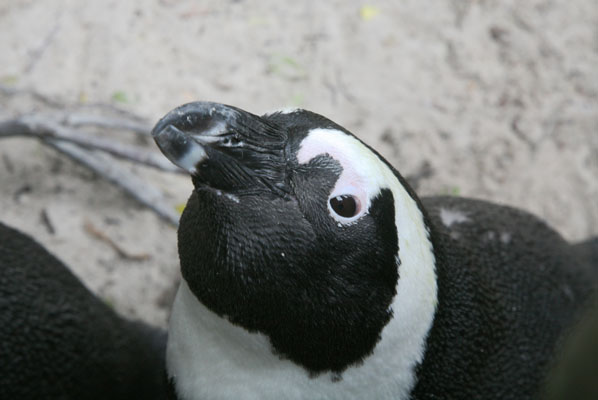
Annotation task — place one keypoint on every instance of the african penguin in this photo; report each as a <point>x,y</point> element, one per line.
<point>59,341</point>
<point>313,271</point>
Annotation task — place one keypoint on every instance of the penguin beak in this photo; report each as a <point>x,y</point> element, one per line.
<point>224,147</point>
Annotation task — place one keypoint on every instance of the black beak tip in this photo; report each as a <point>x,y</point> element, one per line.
<point>174,132</point>
<point>197,117</point>
<point>223,145</point>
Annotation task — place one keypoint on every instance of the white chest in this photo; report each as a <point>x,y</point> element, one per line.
<point>210,358</point>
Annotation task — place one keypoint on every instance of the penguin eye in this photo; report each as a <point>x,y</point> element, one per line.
<point>345,205</point>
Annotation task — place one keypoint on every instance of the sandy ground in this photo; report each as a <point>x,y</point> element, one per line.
<point>488,99</point>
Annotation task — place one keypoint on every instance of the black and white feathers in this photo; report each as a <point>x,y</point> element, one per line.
<point>312,270</point>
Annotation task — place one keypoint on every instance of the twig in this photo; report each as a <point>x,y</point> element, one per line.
<point>101,164</point>
<point>42,128</point>
<point>111,108</point>
<point>101,121</point>
<point>516,129</point>
<point>92,230</point>
<point>8,163</point>
<point>47,222</point>
<point>55,129</point>
<point>13,91</point>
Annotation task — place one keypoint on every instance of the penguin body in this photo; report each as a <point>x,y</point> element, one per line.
<point>59,341</point>
<point>510,288</point>
<point>311,270</point>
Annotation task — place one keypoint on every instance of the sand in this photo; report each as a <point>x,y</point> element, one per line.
<point>489,99</point>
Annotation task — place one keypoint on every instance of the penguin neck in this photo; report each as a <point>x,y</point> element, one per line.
<point>210,358</point>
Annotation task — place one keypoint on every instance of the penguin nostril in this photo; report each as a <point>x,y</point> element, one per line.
<point>345,205</point>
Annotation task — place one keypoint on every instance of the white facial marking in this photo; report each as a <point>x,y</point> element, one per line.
<point>209,358</point>
<point>450,217</point>
<point>363,172</point>
<point>505,237</point>
<point>284,110</point>
<point>210,135</point>
<point>195,155</point>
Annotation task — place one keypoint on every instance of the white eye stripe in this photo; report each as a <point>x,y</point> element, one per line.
<point>363,173</point>
<point>414,304</point>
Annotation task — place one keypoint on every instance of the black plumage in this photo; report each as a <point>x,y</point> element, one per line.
<point>509,288</point>
<point>59,341</point>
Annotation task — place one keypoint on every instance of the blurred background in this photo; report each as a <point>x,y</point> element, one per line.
<point>489,99</point>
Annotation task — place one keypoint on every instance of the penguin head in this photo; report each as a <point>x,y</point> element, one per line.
<point>295,229</point>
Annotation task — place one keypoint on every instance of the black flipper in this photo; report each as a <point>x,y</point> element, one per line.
<point>59,341</point>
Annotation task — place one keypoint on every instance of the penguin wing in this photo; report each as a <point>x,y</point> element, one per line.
<point>509,287</point>
<point>58,340</point>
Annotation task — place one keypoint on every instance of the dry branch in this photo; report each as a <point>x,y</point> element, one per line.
<point>67,133</point>
<point>45,128</point>
<point>79,119</point>
<point>101,164</point>
<point>122,252</point>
